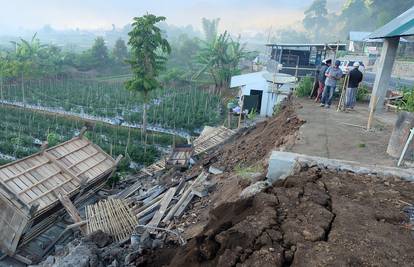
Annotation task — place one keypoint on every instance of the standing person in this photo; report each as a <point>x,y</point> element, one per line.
<point>333,75</point>
<point>321,78</point>
<point>355,77</point>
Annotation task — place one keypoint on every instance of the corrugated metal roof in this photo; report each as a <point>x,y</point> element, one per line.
<point>341,46</point>
<point>403,25</point>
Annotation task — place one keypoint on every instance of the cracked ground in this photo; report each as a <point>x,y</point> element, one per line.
<point>314,218</point>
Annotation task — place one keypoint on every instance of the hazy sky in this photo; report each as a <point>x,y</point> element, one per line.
<point>236,16</point>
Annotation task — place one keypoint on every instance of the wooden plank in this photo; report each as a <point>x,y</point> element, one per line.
<point>27,170</point>
<point>40,182</point>
<point>174,209</point>
<point>72,151</point>
<point>164,205</point>
<point>49,191</point>
<point>70,208</point>
<point>184,205</point>
<point>96,164</point>
<point>62,167</point>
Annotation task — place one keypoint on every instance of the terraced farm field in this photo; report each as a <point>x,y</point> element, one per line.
<point>22,132</point>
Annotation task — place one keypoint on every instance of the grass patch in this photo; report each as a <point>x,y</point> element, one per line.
<point>246,172</point>
<point>304,87</point>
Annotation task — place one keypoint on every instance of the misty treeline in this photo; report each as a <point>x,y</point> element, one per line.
<point>321,25</point>
<point>210,58</point>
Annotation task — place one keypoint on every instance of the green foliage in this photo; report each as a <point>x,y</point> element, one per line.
<point>120,51</point>
<point>148,57</point>
<point>407,102</point>
<point>210,28</point>
<point>276,109</point>
<point>148,49</point>
<point>362,92</point>
<point>53,139</point>
<point>220,59</point>
<point>252,114</point>
<point>19,128</point>
<point>304,87</point>
<point>316,18</point>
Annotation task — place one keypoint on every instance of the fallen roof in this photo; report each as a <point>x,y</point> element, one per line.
<point>403,25</point>
<point>29,187</point>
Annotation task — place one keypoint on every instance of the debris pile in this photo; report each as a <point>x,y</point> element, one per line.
<point>314,218</point>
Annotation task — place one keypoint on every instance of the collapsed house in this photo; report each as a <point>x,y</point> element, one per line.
<point>32,188</point>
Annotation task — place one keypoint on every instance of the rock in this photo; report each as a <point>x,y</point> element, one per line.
<point>214,170</point>
<point>264,258</point>
<point>50,260</point>
<point>84,255</point>
<point>254,189</point>
<point>131,257</point>
<point>99,238</point>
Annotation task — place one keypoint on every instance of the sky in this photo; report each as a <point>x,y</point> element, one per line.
<point>237,16</point>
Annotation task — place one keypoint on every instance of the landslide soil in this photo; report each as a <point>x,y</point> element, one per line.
<point>314,218</point>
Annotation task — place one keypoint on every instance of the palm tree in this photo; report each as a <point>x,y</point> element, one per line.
<point>220,59</point>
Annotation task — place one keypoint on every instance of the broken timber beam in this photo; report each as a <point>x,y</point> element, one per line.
<point>164,205</point>
<point>174,209</point>
<point>71,209</point>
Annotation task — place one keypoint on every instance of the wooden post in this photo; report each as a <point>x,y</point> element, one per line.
<point>43,147</point>
<point>117,161</point>
<point>241,111</point>
<point>371,112</point>
<point>344,87</point>
<point>82,132</point>
<point>70,208</point>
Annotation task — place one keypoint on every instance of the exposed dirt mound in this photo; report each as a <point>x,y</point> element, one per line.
<point>315,218</point>
<point>255,143</point>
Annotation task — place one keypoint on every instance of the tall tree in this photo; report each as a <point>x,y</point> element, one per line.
<point>315,20</point>
<point>99,53</point>
<point>210,28</point>
<point>220,58</point>
<point>120,51</point>
<point>148,57</point>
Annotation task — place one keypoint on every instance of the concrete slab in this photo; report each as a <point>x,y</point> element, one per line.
<point>288,162</point>
<point>328,133</point>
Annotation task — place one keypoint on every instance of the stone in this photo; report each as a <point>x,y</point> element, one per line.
<point>214,170</point>
<point>253,189</point>
<point>99,238</point>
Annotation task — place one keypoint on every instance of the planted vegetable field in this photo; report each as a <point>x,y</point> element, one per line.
<point>22,132</point>
<point>179,108</point>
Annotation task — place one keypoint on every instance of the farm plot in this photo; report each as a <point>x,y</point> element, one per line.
<point>179,108</point>
<point>22,132</point>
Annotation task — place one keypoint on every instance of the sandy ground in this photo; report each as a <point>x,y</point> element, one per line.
<point>326,134</point>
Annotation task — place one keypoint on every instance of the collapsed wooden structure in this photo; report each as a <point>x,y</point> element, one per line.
<point>209,138</point>
<point>30,187</point>
<point>180,156</point>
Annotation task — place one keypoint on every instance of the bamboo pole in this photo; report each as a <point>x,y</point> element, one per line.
<point>343,92</point>
<point>241,111</point>
<point>371,112</point>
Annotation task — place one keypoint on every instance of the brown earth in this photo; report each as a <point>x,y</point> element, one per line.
<point>314,218</point>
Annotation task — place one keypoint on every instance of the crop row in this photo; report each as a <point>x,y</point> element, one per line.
<point>22,131</point>
<point>181,108</point>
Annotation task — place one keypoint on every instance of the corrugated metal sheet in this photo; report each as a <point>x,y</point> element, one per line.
<point>403,25</point>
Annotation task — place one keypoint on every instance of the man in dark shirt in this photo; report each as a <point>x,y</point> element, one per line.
<point>321,78</point>
<point>355,77</point>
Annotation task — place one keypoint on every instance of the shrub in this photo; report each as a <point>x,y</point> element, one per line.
<point>407,102</point>
<point>361,93</point>
<point>304,87</point>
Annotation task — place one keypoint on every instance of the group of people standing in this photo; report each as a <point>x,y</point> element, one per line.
<point>328,78</point>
